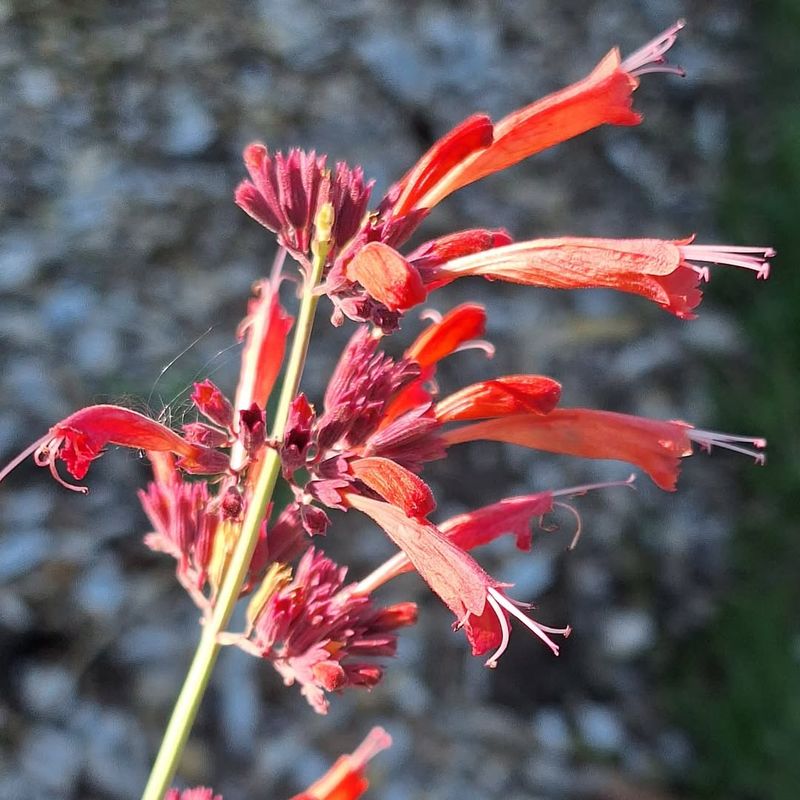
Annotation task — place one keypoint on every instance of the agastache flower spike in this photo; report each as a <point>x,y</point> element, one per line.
<point>81,437</point>
<point>285,193</point>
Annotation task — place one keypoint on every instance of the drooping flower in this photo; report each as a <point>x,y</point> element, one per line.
<point>481,607</point>
<point>82,437</point>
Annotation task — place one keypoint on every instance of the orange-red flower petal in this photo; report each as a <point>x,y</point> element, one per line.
<point>395,484</point>
<point>509,394</point>
<point>654,445</point>
<point>387,276</point>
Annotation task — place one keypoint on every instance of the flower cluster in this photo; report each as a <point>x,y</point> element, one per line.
<point>382,419</point>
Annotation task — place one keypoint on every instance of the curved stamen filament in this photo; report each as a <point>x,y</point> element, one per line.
<point>537,629</point>
<point>478,344</point>
<point>505,632</point>
<point>46,455</point>
<point>650,58</point>
<point>727,441</point>
<point>30,450</point>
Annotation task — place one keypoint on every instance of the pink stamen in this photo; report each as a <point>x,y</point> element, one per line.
<point>431,315</point>
<point>28,451</point>
<point>505,632</point>
<point>752,258</point>
<point>377,739</point>
<point>477,344</point>
<point>579,526</point>
<point>650,58</point>
<point>46,455</point>
<point>708,439</point>
<point>498,601</point>
<point>575,491</point>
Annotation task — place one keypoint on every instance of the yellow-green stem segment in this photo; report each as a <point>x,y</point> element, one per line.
<point>194,686</point>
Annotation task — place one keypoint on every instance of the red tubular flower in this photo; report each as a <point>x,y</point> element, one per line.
<point>477,148</point>
<point>81,437</point>
<point>448,334</point>
<point>456,330</point>
<point>476,599</point>
<point>662,271</point>
<point>345,779</point>
<point>509,394</point>
<point>654,445</point>
<point>264,331</point>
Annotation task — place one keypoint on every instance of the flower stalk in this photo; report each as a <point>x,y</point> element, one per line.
<point>199,673</point>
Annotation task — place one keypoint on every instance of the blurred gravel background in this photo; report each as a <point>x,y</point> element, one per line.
<point>121,249</point>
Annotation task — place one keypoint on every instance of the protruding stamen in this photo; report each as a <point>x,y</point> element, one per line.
<point>505,632</point>
<point>28,451</point>
<point>708,439</point>
<point>431,315</point>
<point>579,523</point>
<point>650,58</point>
<point>46,455</point>
<point>538,630</point>
<point>478,344</point>
<point>577,491</point>
<point>377,739</point>
<point>752,258</point>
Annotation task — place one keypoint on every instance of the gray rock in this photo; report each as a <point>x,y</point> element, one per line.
<point>48,691</point>
<point>115,749</point>
<point>551,729</point>
<point>191,127</point>
<point>21,260</point>
<point>52,759</point>
<point>600,728</point>
<point>627,633</point>
<point>22,551</point>
<point>101,590</point>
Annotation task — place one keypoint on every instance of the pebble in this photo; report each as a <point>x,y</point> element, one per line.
<point>600,728</point>
<point>23,551</point>
<point>551,729</point>
<point>48,691</point>
<point>627,633</point>
<point>52,759</point>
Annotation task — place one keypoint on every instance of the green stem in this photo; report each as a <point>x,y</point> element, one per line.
<point>194,686</point>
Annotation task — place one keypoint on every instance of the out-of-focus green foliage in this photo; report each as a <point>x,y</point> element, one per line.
<point>736,688</point>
